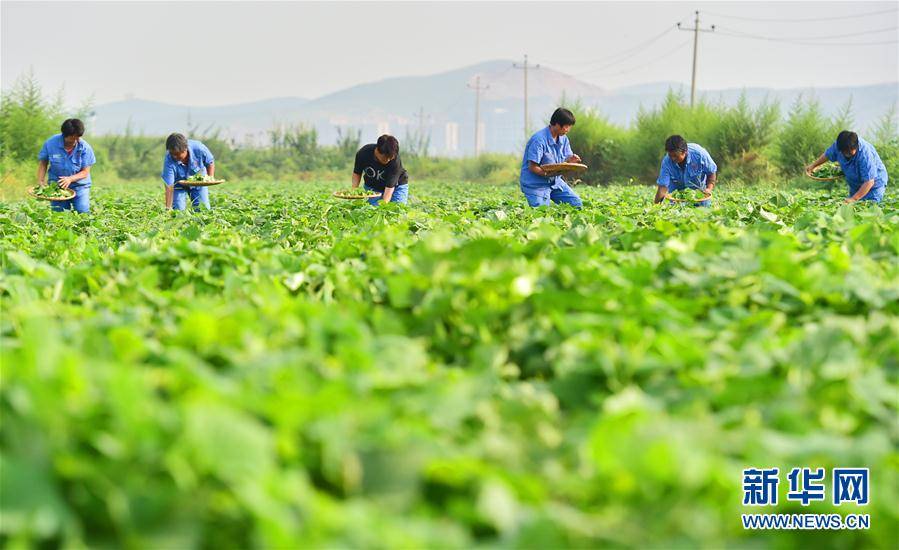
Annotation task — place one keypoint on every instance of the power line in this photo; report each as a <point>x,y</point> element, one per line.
<point>617,56</point>
<point>807,41</point>
<point>632,53</point>
<point>802,38</point>
<point>802,20</point>
<point>652,61</point>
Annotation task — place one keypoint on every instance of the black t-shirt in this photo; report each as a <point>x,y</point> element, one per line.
<point>376,175</point>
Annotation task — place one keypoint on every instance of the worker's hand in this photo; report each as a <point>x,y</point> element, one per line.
<point>65,182</point>
<point>849,200</point>
<point>809,168</point>
<point>573,158</point>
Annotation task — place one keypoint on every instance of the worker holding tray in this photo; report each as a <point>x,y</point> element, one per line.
<point>865,173</point>
<point>379,168</point>
<point>185,158</point>
<point>686,167</point>
<point>549,146</point>
<point>66,159</point>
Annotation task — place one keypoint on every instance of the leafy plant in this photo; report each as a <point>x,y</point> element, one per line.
<point>286,371</point>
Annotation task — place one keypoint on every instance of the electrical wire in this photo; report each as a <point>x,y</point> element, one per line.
<point>800,20</point>
<point>809,41</point>
<point>802,38</point>
<point>616,61</point>
<point>632,49</point>
<point>650,62</point>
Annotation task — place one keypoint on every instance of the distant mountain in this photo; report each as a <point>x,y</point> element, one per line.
<point>448,103</point>
<point>155,118</point>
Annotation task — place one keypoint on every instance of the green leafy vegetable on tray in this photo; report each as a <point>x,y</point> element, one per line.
<point>200,178</point>
<point>52,191</point>
<point>357,193</point>
<point>688,195</point>
<point>828,170</point>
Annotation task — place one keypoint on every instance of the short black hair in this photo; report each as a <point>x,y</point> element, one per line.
<point>847,141</point>
<point>176,142</point>
<point>72,127</point>
<point>676,143</point>
<point>388,146</point>
<point>562,117</point>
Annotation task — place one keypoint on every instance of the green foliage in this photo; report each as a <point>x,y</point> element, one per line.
<point>290,370</point>
<point>740,139</point>
<point>485,168</point>
<point>28,118</point>
<point>653,126</point>
<point>805,135</point>
<point>886,141</point>
<point>348,141</point>
<point>602,146</point>
<point>828,170</point>
<point>52,190</point>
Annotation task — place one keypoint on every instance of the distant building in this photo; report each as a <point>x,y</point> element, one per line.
<point>482,135</point>
<point>451,138</point>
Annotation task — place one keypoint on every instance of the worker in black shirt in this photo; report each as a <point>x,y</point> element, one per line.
<point>379,165</point>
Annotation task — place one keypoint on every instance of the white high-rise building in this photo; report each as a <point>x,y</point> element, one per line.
<point>451,137</point>
<point>482,134</point>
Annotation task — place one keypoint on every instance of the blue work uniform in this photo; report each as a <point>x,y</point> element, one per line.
<point>400,194</point>
<point>864,166</point>
<point>64,163</point>
<point>198,158</point>
<point>698,165</point>
<point>542,148</point>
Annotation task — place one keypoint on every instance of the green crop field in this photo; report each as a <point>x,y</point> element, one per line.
<point>292,370</point>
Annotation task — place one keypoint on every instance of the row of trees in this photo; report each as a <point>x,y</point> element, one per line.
<point>748,143</point>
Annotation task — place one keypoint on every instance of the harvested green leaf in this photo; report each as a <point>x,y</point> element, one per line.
<point>828,170</point>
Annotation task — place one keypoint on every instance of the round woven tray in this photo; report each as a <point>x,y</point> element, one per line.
<point>563,168</point>
<point>186,183</point>
<point>55,199</point>
<point>816,178</point>
<point>706,197</point>
<point>340,195</point>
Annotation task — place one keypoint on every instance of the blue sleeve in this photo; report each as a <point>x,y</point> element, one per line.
<point>708,164</point>
<point>867,167</point>
<point>831,152</point>
<point>168,172</point>
<point>566,150</point>
<point>534,151</point>
<point>208,158</point>
<point>87,157</point>
<point>44,154</point>
<point>664,177</point>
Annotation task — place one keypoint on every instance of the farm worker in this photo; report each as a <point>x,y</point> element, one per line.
<point>549,146</point>
<point>865,173</point>
<point>379,165</point>
<point>69,159</point>
<point>184,158</point>
<point>685,166</point>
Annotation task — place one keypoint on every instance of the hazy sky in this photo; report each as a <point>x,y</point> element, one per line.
<point>211,53</point>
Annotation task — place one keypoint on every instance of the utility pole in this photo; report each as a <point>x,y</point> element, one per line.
<point>696,30</point>
<point>477,111</point>
<point>527,124</point>
<point>421,121</point>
